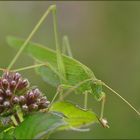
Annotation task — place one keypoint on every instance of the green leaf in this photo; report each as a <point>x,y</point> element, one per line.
<point>38,125</point>
<point>76,72</point>
<point>75,116</point>
<point>8,134</point>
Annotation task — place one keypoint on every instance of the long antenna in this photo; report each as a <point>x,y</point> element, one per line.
<point>133,108</point>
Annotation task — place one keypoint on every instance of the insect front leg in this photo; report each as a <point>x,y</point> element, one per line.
<point>62,88</point>
<point>59,91</point>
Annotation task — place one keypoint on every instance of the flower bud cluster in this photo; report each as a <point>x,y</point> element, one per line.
<point>14,90</point>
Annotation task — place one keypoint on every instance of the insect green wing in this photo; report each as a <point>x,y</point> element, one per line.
<point>75,71</point>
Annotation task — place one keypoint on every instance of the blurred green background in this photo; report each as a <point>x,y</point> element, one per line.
<point>103,35</point>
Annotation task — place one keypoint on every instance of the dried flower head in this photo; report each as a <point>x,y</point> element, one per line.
<point>15,91</point>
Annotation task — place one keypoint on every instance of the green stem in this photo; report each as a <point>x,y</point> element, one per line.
<point>122,98</point>
<point>30,36</point>
<point>14,120</point>
<point>29,67</point>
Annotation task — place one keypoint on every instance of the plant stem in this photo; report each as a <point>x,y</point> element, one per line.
<point>14,120</point>
<point>30,36</point>
<point>122,98</point>
<point>29,67</point>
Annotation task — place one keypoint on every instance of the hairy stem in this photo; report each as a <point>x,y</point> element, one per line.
<point>30,36</point>
<point>122,98</point>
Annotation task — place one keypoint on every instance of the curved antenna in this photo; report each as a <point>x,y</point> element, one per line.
<point>133,108</point>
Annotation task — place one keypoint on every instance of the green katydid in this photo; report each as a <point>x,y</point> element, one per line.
<point>68,72</point>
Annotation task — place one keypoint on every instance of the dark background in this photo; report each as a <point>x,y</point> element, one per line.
<point>103,35</point>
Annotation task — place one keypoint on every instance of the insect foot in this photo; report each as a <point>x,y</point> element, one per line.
<point>104,122</point>
<point>15,91</point>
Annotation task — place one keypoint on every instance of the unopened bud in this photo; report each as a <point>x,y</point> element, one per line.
<point>8,93</point>
<point>5,83</point>
<point>22,99</point>
<point>25,107</point>
<point>6,104</point>
<point>25,83</point>
<point>13,83</point>
<point>15,100</point>
<point>1,99</point>
<point>1,92</point>
<point>17,76</point>
<point>33,107</point>
<point>37,92</point>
